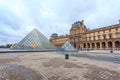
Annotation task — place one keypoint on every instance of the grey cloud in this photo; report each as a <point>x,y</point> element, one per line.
<point>56,16</point>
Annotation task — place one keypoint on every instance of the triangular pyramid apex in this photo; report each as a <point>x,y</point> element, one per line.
<point>35,29</point>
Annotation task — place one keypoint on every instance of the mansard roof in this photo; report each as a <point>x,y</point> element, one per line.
<point>78,24</point>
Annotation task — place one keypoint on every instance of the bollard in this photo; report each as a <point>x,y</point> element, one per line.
<point>111,51</point>
<point>87,49</point>
<point>66,56</point>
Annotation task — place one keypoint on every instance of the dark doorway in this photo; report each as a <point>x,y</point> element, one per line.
<point>98,45</point>
<point>103,45</point>
<point>109,44</point>
<point>74,45</point>
<point>93,45</point>
<point>88,44</point>
<point>117,44</point>
<point>84,45</point>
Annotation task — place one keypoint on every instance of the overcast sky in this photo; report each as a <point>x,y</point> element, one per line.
<point>19,17</point>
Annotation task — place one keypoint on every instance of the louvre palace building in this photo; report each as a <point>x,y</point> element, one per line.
<point>83,38</point>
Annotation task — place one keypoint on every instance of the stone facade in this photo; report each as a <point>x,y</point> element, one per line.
<point>81,37</point>
<point>58,41</point>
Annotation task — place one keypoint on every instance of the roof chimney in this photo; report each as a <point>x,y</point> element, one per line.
<point>82,23</point>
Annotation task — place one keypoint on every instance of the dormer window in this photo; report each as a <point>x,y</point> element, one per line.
<point>109,30</point>
<point>110,36</point>
<point>116,29</point>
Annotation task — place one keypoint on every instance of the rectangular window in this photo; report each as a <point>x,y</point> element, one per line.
<point>98,32</point>
<point>116,29</point>
<point>94,38</point>
<point>104,36</point>
<point>109,30</point>
<point>117,35</point>
<point>103,31</point>
<point>98,37</point>
<point>110,36</point>
<point>78,39</point>
<point>89,38</point>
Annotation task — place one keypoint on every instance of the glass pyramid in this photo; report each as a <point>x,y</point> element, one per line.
<point>68,47</point>
<point>35,41</point>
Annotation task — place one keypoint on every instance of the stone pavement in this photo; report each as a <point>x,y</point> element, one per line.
<point>96,73</point>
<point>15,72</point>
<point>101,51</point>
<point>53,66</point>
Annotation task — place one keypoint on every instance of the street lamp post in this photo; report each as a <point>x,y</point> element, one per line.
<point>111,49</point>
<point>74,43</point>
<point>111,45</point>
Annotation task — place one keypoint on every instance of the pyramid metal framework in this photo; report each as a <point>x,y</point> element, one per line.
<point>35,41</point>
<point>68,47</point>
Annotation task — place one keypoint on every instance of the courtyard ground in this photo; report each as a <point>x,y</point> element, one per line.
<point>54,66</point>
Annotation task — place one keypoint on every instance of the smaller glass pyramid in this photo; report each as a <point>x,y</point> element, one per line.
<point>67,47</point>
<point>35,41</point>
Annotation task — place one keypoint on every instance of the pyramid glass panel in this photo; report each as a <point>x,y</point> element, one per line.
<point>35,41</point>
<point>68,47</point>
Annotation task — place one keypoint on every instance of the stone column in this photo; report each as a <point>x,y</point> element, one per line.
<point>106,43</point>
<point>86,45</point>
<point>100,45</point>
<point>91,45</point>
<point>81,45</point>
<point>113,45</point>
<point>95,46</point>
